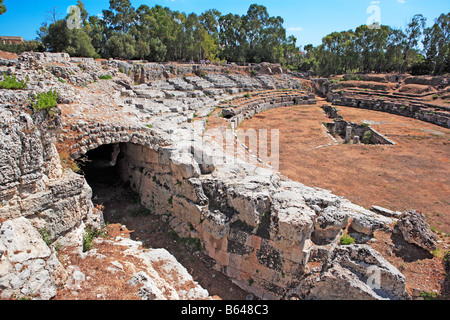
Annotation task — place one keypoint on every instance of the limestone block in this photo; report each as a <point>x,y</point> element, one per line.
<point>415,229</point>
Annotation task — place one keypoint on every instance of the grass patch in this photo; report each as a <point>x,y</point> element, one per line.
<point>429,295</point>
<point>351,77</point>
<point>11,83</point>
<point>105,77</point>
<point>194,243</point>
<point>46,236</point>
<point>346,240</point>
<point>45,101</point>
<point>88,239</point>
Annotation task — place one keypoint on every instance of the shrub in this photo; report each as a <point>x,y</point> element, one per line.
<point>347,240</point>
<point>11,83</point>
<point>349,77</point>
<point>105,77</point>
<point>46,236</point>
<point>68,163</point>
<point>45,101</point>
<point>367,137</point>
<point>88,239</point>
<point>435,97</point>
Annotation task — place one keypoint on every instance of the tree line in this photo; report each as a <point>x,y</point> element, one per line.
<point>160,34</point>
<point>383,49</point>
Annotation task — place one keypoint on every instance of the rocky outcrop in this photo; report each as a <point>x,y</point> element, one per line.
<point>415,229</point>
<point>358,272</point>
<point>28,268</point>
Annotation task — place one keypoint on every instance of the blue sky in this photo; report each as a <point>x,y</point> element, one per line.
<point>308,21</point>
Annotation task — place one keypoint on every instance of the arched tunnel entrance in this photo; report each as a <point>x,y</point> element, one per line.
<point>105,169</point>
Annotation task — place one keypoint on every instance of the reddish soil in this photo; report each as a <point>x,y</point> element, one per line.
<point>8,55</point>
<point>423,271</point>
<point>413,174</point>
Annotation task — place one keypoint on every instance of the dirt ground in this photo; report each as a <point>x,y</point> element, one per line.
<point>413,174</point>
<point>8,55</point>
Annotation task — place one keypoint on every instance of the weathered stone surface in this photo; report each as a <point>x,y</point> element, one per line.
<point>329,225</point>
<point>359,272</point>
<point>27,265</point>
<point>415,229</point>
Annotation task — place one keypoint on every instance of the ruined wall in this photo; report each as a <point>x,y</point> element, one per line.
<point>32,181</point>
<point>432,114</point>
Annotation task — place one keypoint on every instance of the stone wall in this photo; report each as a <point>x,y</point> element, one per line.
<point>33,183</point>
<point>428,113</point>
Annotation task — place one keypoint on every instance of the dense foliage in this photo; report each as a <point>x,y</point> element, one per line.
<point>384,49</point>
<point>160,34</point>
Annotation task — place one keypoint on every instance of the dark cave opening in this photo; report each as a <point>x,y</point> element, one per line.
<point>121,205</point>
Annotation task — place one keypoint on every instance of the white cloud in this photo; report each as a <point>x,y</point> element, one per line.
<point>401,1</point>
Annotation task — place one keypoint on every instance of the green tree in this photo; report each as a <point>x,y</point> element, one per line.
<point>232,38</point>
<point>76,42</point>
<point>413,33</point>
<point>2,7</point>
<point>121,45</point>
<point>121,16</point>
<point>437,45</point>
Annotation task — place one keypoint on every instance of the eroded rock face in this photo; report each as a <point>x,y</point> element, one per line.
<point>27,266</point>
<point>415,229</point>
<point>358,272</point>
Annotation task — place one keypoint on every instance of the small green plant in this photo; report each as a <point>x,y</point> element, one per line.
<point>11,83</point>
<point>105,77</point>
<point>61,80</point>
<point>346,240</point>
<point>253,73</point>
<point>68,163</point>
<point>193,242</point>
<point>429,295</point>
<point>121,70</point>
<point>173,235</point>
<point>367,137</point>
<point>349,77</point>
<point>247,95</point>
<point>45,101</point>
<point>46,236</point>
<point>88,240</point>
<point>435,97</point>
<point>251,281</point>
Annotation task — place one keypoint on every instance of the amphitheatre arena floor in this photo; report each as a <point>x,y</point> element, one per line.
<point>413,174</point>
